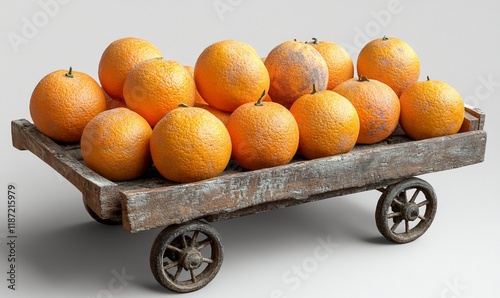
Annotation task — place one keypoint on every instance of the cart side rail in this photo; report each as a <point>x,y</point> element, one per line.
<point>99,193</point>
<point>474,119</point>
<point>302,181</point>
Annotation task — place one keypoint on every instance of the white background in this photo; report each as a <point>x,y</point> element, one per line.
<point>63,253</point>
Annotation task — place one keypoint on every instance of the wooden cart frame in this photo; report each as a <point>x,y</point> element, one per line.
<point>188,253</point>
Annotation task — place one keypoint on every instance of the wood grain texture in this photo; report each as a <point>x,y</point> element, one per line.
<point>151,201</point>
<point>365,167</point>
<point>473,119</point>
<point>479,116</point>
<point>100,194</point>
<point>470,123</point>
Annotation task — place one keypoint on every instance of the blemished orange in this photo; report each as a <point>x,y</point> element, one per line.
<point>294,67</point>
<point>63,102</point>
<point>377,106</point>
<point>115,144</point>
<point>328,124</point>
<point>222,115</point>
<point>190,144</point>
<point>340,65</point>
<point>263,134</point>
<point>431,108</point>
<point>119,58</point>
<point>230,73</point>
<point>154,87</point>
<point>391,61</point>
<point>198,99</point>
<point>112,103</point>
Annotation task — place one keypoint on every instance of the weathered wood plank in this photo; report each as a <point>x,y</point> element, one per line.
<point>292,202</point>
<point>100,194</point>
<point>237,192</point>
<point>478,114</point>
<point>470,123</point>
<point>364,167</point>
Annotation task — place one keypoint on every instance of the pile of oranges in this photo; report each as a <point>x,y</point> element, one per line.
<point>190,121</point>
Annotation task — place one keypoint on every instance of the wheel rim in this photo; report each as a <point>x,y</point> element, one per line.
<point>186,258</point>
<point>406,210</point>
<point>109,222</point>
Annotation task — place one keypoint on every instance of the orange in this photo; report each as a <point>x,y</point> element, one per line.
<point>198,98</point>
<point>115,144</point>
<point>328,124</point>
<point>112,103</point>
<point>340,65</point>
<point>63,102</point>
<point>431,109</point>
<point>263,134</point>
<point>377,106</point>
<point>119,58</point>
<point>229,73</point>
<point>154,87</point>
<point>391,61</point>
<point>221,115</point>
<point>190,144</point>
<point>293,69</point>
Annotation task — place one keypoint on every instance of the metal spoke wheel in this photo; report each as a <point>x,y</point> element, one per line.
<point>406,210</point>
<point>185,258</point>
<point>109,222</point>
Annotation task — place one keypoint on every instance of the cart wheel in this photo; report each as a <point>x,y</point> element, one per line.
<point>185,258</point>
<point>108,222</point>
<point>406,210</point>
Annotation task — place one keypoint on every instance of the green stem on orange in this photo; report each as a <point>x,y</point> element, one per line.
<point>69,74</point>
<point>259,102</point>
<point>362,78</point>
<point>385,38</point>
<point>428,79</point>
<point>183,105</point>
<point>315,40</point>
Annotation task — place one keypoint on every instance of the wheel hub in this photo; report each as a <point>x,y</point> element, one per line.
<point>192,259</point>
<point>411,211</point>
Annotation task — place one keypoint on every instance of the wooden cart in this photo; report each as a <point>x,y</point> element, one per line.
<point>188,253</point>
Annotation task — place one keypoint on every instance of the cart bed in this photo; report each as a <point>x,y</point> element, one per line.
<point>152,201</point>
